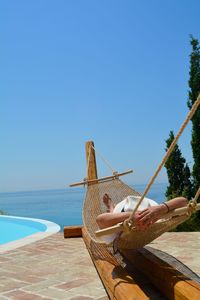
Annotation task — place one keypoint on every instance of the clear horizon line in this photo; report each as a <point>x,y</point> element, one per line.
<point>67,188</point>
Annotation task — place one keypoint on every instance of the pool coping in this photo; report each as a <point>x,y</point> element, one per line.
<point>52,228</point>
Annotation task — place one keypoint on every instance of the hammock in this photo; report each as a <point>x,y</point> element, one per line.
<point>128,236</point>
<point>133,238</point>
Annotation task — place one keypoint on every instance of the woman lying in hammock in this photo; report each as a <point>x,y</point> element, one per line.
<point>148,212</point>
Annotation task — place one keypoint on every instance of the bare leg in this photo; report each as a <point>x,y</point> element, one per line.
<point>108,203</point>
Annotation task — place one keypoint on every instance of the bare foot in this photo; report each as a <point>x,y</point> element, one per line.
<point>108,203</point>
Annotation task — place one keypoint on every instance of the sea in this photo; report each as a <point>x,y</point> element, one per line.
<point>62,206</point>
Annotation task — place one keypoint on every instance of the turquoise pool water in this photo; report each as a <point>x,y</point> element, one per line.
<point>12,228</point>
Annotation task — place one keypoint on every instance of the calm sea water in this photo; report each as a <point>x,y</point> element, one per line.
<point>63,207</point>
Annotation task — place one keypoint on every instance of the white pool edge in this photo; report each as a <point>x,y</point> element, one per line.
<point>52,228</point>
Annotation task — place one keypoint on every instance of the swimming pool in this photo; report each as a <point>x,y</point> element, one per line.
<point>18,231</point>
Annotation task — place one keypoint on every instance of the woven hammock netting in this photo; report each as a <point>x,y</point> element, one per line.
<point>118,190</point>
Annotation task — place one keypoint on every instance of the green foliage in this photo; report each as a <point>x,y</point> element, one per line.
<point>178,173</point>
<point>187,185</point>
<point>194,91</point>
<point>179,183</point>
<point>1,212</point>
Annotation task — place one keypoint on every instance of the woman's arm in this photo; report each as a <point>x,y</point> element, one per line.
<point>150,215</point>
<point>109,219</point>
<point>176,203</point>
<point>143,218</point>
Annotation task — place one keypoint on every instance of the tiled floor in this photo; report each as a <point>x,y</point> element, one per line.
<point>58,268</point>
<point>184,246</point>
<point>53,268</point>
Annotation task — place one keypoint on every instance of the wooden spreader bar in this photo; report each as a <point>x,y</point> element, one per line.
<point>114,176</point>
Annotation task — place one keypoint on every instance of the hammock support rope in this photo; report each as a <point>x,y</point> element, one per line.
<point>168,153</point>
<point>128,224</point>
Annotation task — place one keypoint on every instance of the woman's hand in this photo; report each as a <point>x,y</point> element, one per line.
<point>149,216</point>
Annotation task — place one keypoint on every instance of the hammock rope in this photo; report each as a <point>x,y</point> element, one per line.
<point>197,195</point>
<point>104,160</point>
<point>171,148</point>
<point>192,205</point>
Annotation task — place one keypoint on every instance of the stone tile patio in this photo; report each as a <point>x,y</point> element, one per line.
<point>52,268</point>
<point>183,246</point>
<point>58,268</point>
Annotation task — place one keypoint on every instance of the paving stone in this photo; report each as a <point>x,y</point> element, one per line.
<point>72,284</point>
<point>56,294</point>
<point>81,298</point>
<point>8,284</point>
<point>22,277</point>
<point>3,297</point>
<point>20,295</point>
<point>88,290</point>
<point>48,269</point>
<point>36,287</point>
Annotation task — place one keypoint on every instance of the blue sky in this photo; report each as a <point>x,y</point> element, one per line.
<point>111,71</point>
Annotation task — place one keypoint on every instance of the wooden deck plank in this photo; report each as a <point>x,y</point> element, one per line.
<point>72,231</point>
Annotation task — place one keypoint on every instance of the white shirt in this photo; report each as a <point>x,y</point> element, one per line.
<point>128,204</point>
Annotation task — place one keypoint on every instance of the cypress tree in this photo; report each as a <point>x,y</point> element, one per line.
<point>194,85</point>
<point>187,190</point>
<point>179,183</point>
<point>178,173</point>
<point>177,170</point>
